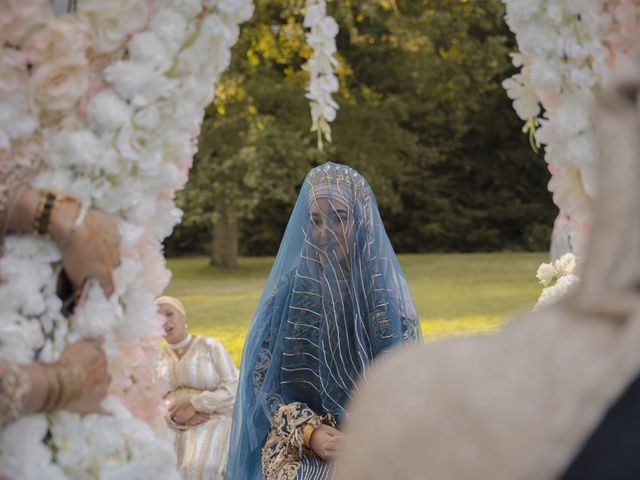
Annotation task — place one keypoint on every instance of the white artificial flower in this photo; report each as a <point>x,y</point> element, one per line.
<point>573,114</point>
<point>147,48</point>
<point>113,22</point>
<point>107,111</point>
<point>19,338</point>
<point>545,74</point>
<point>520,12</point>
<point>16,121</point>
<point>129,78</point>
<point>56,86</point>
<point>123,150</point>
<point>189,8</point>
<point>525,100</point>
<point>24,453</point>
<point>148,117</point>
<point>77,148</point>
<point>565,265</point>
<point>546,274</point>
<point>171,27</point>
<point>555,13</point>
<point>98,315</point>
<point>583,77</point>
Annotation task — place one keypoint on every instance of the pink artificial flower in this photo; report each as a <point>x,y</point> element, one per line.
<point>94,88</point>
<point>62,37</point>
<point>133,381</point>
<point>550,99</point>
<point>21,17</point>
<point>574,203</point>
<point>624,36</point>
<point>154,273</point>
<point>13,72</point>
<point>56,86</point>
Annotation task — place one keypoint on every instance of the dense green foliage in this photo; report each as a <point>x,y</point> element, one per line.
<point>422,116</point>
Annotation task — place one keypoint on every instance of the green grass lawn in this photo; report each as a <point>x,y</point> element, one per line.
<point>456,294</point>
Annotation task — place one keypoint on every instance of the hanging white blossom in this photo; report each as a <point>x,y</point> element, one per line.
<point>322,67</point>
<point>567,50</point>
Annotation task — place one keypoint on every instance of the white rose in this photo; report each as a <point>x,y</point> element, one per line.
<point>171,28</point>
<point>19,339</point>
<point>573,114</point>
<point>78,148</point>
<point>15,119</point>
<point>24,453</point>
<point>545,74</point>
<point>583,77</point>
<point>128,78</point>
<point>566,264</point>
<point>546,274</point>
<point>580,150</point>
<point>113,22</point>
<point>554,13</point>
<point>107,111</point>
<point>98,315</point>
<point>57,86</point>
<point>147,48</point>
<point>239,10</point>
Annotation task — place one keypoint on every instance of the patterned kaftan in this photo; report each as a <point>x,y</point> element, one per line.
<point>206,375</point>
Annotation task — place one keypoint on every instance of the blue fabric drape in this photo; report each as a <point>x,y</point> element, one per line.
<point>336,298</point>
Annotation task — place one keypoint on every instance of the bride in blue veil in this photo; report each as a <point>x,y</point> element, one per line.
<point>336,298</point>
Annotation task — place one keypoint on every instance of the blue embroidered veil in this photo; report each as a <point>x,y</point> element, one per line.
<point>335,299</point>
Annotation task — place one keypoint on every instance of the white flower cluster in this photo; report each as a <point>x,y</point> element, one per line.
<point>567,49</point>
<point>322,65</point>
<point>113,104</point>
<point>557,278</point>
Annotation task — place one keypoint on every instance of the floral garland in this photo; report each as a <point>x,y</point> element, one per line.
<point>108,100</point>
<point>567,51</point>
<point>322,66</point>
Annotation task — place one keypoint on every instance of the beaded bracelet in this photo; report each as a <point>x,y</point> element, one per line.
<point>44,211</point>
<point>42,220</point>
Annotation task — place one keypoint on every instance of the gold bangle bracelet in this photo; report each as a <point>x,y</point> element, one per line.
<point>44,211</point>
<point>307,431</point>
<point>52,398</point>
<point>72,382</point>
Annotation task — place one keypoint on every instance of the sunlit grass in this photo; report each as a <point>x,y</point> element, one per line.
<point>456,294</point>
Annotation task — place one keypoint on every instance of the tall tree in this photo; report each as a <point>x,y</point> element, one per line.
<point>422,116</point>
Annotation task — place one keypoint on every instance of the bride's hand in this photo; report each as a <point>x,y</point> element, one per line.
<point>325,441</point>
<point>90,251</point>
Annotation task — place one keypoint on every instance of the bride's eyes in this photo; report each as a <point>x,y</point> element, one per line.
<point>336,218</point>
<point>316,220</point>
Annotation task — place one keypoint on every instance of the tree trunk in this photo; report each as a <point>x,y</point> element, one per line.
<point>225,240</point>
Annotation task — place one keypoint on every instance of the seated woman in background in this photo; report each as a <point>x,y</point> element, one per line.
<point>202,383</point>
<point>336,298</point>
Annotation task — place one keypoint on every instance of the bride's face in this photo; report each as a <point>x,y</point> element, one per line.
<point>331,229</point>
